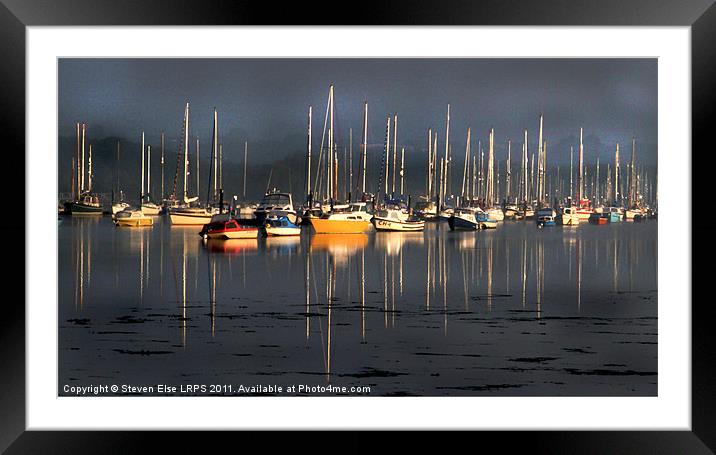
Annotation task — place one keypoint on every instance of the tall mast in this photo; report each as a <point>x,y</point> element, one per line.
<point>82,185</point>
<point>490,184</point>
<point>349,183</point>
<point>580,176</point>
<point>447,152</point>
<point>89,173</point>
<point>395,147</point>
<point>365,145</point>
<point>467,162</point>
<point>215,152</point>
<point>429,186</point>
<point>571,171</point>
<point>596,183</point>
<point>329,161</point>
<point>508,171</point>
<point>76,167</point>
<point>149,171</point>
<point>117,166</point>
<point>616,177</point>
<point>387,152</point>
<point>162,163</point>
<point>142,190</point>
<point>186,150</point>
<point>197,167</point>
<point>308,154</point>
<point>524,169</point>
<point>632,176</point>
<point>402,169</point>
<point>246,156</point>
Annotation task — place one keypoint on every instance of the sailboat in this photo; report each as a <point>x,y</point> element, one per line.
<point>396,217</point>
<point>85,202</point>
<point>185,213</point>
<point>352,218</point>
<point>131,217</point>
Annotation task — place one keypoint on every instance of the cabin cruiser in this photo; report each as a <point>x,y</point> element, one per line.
<point>150,208</point>
<point>615,214</point>
<point>568,217</point>
<point>275,203</point>
<point>131,217</point>
<point>228,230</point>
<point>87,204</point>
<point>280,226</point>
<point>470,219</point>
<point>354,219</point>
<point>545,217</point>
<point>396,218</point>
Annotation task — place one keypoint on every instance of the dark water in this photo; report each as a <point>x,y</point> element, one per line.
<point>514,311</point>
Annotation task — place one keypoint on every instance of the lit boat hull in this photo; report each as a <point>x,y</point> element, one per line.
<point>134,222</point>
<point>496,214</point>
<point>234,234</point>
<point>282,231</point>
<point>385,224</point>
<point>198,217</point>
<point>151,209</point>
<point>329,226</point>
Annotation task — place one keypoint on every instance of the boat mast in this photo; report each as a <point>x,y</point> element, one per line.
<point>215,152</point>
<point>141,193</point>
<point>402,169</point>
<point>89,170</point>
<point>524,170</point>
<point>429,186</point>
<point>508,171</point>
<point>632,177</point>
<point>75,167</point>
<point>395,147</point>
<point>616,177</point>
<point>246,156</point>
<point>490,184</point>
<point>349,182</point>
<point>149,172</point>
<point>186,150</point>
<point>447,153</point>
<point>387,152</point>
<point>82,185</point>
<point>365,144</point>
<point>197,168</point>
<point>465,167</point>
<point>580,176</point>
<point>329,161</point>
<point>308,156</point>
<point>162,162</point>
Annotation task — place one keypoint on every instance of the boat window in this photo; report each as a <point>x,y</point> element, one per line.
<point>231,225</point>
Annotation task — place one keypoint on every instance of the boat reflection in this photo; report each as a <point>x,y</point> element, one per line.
<point>231,246</point>
<point>339,246</point>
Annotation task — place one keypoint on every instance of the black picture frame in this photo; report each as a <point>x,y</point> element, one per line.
<point>16,15</point>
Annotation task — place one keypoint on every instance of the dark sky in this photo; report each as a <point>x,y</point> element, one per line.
<point>265,101</point>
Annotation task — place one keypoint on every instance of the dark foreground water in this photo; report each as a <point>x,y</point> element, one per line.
<point>514,311</point>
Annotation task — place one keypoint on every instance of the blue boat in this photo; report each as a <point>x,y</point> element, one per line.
<point>615,215</point>
<point>545,217</point>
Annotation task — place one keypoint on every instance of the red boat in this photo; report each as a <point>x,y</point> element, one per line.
<point>230,229</point>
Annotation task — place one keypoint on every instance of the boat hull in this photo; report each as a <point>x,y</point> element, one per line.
<point>76,208</point>
<point>234,234</point>
<point>460,224</point>
<point>282,231</point>
<point>328,226</point>
<point>384,224</point>
<point>184,219</point>
<point>151,210</point>
<point>133,222</point>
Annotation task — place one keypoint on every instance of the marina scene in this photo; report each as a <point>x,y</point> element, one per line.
<point>349,234</point>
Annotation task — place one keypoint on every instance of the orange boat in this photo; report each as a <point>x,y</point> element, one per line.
<point>354,220</point>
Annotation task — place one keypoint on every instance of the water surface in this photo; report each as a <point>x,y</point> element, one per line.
<point>512,311</point>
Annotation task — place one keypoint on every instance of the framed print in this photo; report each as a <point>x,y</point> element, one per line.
<point>427,221</point>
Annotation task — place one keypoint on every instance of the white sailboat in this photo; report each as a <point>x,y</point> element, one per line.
<point>185,213</point>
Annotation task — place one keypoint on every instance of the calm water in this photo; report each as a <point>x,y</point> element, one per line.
<point>513,311</point>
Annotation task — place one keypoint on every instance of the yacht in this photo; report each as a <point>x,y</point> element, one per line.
<point>355,219</point>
